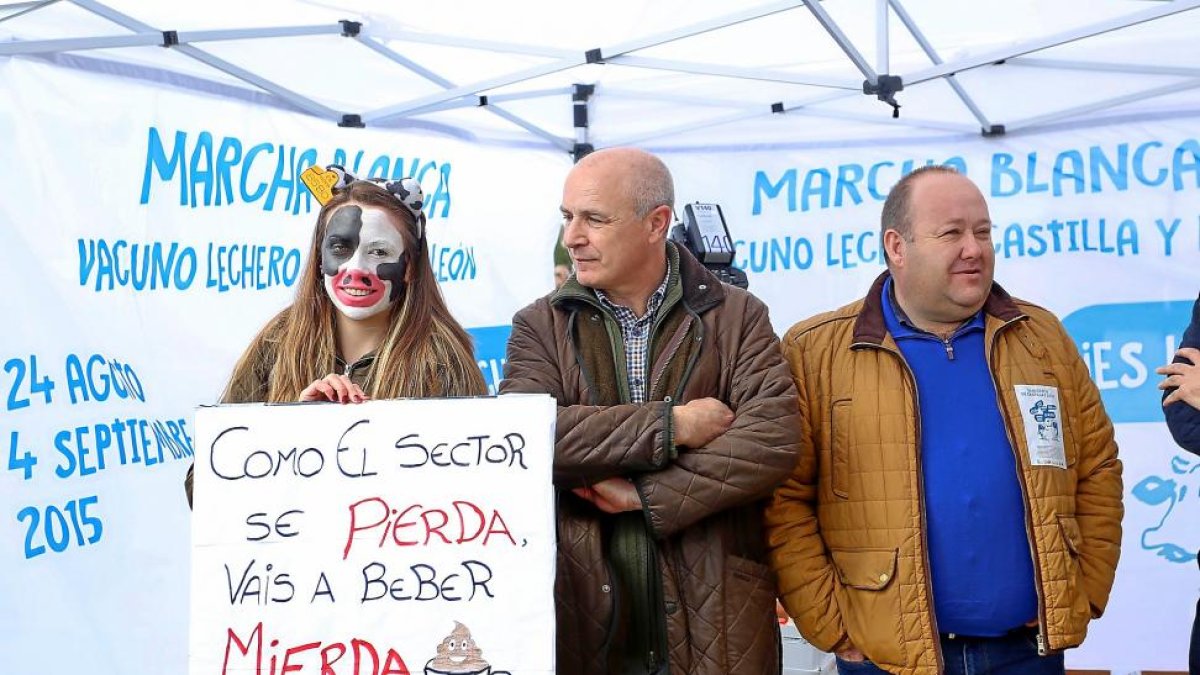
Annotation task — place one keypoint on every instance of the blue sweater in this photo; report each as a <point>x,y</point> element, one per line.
<point>979,551</point>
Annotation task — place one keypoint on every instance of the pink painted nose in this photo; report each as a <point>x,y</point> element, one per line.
<point>354,277</point>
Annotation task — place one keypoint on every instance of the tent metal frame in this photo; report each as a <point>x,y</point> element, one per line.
<point>878,80</point>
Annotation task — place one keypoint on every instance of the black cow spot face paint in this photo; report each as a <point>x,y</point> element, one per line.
<point>362,258</point>
<point>341,238</point>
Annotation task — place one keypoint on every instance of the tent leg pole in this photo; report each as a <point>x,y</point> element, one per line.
<point>579,100</point>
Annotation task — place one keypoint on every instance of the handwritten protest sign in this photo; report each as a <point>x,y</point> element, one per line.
<point>390,537</point>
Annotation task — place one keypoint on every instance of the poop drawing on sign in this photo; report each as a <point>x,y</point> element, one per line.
<point>457,654</point>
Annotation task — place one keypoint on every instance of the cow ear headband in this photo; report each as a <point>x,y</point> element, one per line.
<point>324,183</point>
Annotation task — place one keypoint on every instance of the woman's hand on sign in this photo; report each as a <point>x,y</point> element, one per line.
<point>334,387</point>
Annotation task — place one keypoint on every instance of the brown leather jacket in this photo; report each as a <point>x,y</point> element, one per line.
<point>847,529</point>
<point>703,507</point>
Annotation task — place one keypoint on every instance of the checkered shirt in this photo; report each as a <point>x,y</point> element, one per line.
<point>636,334</point>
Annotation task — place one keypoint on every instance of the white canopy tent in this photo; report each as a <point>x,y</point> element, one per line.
<point>1080,111</point>
<point>658,74</point>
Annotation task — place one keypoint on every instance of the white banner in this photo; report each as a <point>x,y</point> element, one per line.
<point>147,234</point>
<point>1100,225</point>
<point>398,536</point>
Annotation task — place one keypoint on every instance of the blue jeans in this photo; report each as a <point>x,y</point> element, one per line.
<point>1013,654</point>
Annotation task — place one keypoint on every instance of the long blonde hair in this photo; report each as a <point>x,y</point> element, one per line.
<point>425,353</point>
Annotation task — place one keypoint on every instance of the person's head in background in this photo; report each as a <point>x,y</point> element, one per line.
<point>562,262</point>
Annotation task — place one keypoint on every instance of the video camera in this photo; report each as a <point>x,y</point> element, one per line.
<point>703,232</point>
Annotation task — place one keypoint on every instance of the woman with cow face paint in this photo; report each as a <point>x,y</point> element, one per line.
<point>368,320</point>
<point>363,269</point>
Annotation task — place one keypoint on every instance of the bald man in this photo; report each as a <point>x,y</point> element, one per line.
<point>676,419</point>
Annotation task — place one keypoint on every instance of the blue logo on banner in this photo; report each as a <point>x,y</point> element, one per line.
<point>490,345</point>
<point>1175,538</point>
<point>1122,345</point>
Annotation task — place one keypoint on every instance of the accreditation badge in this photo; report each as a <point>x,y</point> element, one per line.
<point>1043,421</point>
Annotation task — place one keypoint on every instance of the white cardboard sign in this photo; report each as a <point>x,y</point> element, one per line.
<point>389,537</point>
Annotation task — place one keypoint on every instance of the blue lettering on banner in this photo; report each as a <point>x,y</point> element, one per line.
<point>94,447</point>
<point>106,265</point>
<point>89,378</point>
<point>80,450</point>
<point>1097,169</point>
<point>147,266</point>
<point>268,173</point>
<point>842,250</point>
<point>1122,344</point>
<point>26,384</point>
<point>249,266</point>
<point>125,440</point>
<point>452,263</point>
<point>1070,171</point>
<point>848,250</point>
<point>50,528</point>
<point>100,379</point>
<point>84,451</point>
<point>773,255</point>
<point>849,184</point>
<point>491,344</point>
<point>1118,237</point>
<point>65,525</point>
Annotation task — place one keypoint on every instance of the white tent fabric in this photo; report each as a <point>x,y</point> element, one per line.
<point>1094,185</point>
<point>672,73</point>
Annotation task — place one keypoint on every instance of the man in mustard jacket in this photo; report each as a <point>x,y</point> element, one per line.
<point>957,500</point>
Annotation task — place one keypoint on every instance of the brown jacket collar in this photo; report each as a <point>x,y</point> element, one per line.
<point>870,326</point>
<point>701,289</point>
